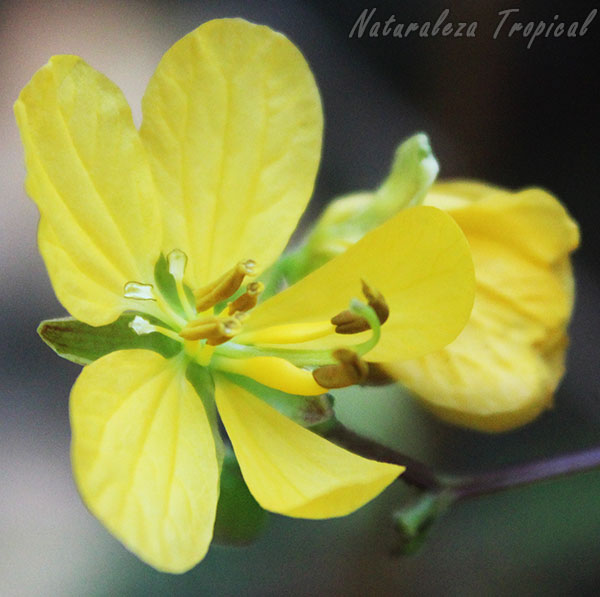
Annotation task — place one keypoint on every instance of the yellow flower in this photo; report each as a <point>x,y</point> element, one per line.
<point>504,367</point>
<point>216,179</point>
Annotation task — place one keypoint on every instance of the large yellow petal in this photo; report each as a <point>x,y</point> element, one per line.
<point>88,174</point>
<point>291,470</point>
<point>462,190</point>
<point>493,377</point>
<point>504,367</point>
<point>532,221</point>
<point>144,457</point>
<point>233,123</point>
<point>419,260</point>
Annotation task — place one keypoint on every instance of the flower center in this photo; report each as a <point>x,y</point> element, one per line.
<point>207,320</point>
<point>195,317</point>
<point>214,328</point>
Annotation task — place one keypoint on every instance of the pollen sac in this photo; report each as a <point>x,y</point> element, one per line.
<point>347,322</point>
<point>225,286</point>
<point>350,370</point>
<point>248,300</point>
<point>214,330</point>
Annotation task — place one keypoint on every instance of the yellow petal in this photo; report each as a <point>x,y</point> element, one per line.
<point>275,373</point>
<point>291,470</point>
<point>419,260</point>
<point>144,457</point>
<point>504,367</point>
<point>532,221</point>
<point>462,190</point>
<point>233,123</point>
<point>525,286</point>
<point>490,378</point>
<point>88,174</point>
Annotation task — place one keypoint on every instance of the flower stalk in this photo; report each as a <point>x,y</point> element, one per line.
<point>423,477</point>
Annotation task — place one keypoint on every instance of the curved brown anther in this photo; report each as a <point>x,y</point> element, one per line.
<point>222,288</point>
<point>376,301</point>
<point>350,370</point>
<point>347,322</point>
<point>248,300</point>
<point>212,329</point>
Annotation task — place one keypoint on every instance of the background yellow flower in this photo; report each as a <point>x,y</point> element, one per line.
<point>504,367</point>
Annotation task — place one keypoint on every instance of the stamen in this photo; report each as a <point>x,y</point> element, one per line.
<point>351,370</point>
<point>376,301</point>
<point>249,343</point>
<point>212,329</point>
<point>347,322</point>
<point>137,290</point>
<point>225,286</point>
<point>248,300</point>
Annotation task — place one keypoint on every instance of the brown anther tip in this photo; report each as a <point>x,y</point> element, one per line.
<point>351,370</point>
<point>248,300</point>
<point>227,329</point>
<point>349,323</point>
<point>230,326</point>
<point>343,317</point>
<point>255,288</point>
<point>366,289</point>
<point>225,286</point>
<point>346,322</point>
<point>376,301</point>
<point>247,267</point>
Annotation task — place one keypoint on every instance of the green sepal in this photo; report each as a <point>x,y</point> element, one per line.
<point>413,171</point>
<point>307,411</point>
<point>83,343</point>
<point>347,219</point>
<point>202,380</point>
<point>414,521</point>
<point>240,519</point>
<point>166,285</point>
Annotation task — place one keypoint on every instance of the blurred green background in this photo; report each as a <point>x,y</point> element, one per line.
<point>494,111</point>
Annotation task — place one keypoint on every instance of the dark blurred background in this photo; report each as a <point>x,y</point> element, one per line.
<point>495,111</point>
